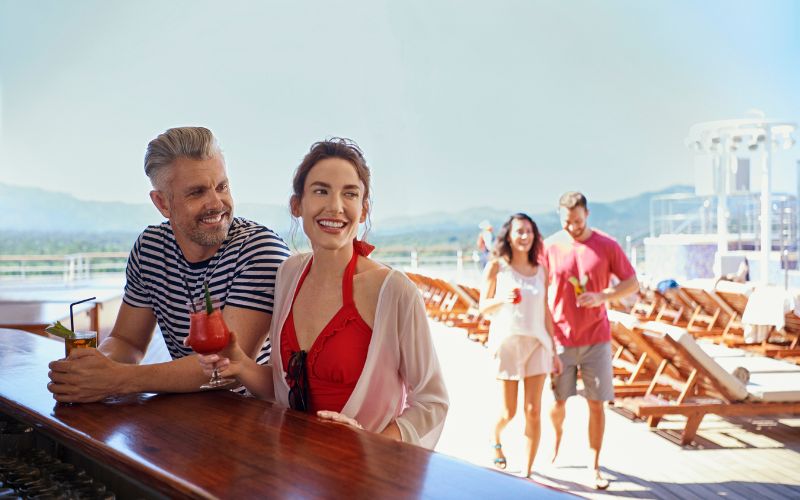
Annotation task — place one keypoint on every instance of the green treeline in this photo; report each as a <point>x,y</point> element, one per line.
<point>52,243</point>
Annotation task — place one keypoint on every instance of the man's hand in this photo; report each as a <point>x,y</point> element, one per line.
<point>86,376</point>
<point>591,299</point>
<point>558,367</point>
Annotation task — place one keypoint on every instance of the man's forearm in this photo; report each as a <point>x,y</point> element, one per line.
<point>119,350</point>
<point>623,289</point>
<point>180,375</point>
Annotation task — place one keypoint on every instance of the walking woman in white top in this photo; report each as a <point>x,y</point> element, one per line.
<point>514,295</point>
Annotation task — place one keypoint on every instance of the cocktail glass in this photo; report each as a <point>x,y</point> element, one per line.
<point>208,334</point>
<point>82,339</point>
<point>73,339</point>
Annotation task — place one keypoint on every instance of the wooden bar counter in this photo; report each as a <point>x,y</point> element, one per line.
<point>220,445</point>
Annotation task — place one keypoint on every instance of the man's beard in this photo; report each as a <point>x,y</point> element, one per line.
<point>210,238</point>
<point>577,234</point>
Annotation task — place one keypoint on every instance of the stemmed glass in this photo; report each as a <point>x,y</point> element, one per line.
<point>208,334</point>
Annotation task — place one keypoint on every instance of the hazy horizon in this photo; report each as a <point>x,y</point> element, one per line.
<point>455,104</point>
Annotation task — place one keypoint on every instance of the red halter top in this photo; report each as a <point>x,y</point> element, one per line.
<point>336,358</point>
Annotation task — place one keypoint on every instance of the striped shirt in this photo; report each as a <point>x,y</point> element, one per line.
<point>241,273</point>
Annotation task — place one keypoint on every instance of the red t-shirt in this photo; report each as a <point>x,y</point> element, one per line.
<point>597,258</point>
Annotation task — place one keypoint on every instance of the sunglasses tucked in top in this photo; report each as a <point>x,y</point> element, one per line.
<point>298,385</point>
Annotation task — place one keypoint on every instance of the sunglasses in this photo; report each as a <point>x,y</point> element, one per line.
<point>298,385</point>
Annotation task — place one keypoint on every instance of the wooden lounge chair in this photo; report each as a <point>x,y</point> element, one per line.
<point>647,305</point>
<point>635,362</point>
<point>674,308</point>
<point>705,316</point>
<point>459,308</point>
<point>732,298</point>
<point>705,387</point>
<point>438,296</point>
<point>788,338</point>
<point>476,324</point>
<point>452,304</point>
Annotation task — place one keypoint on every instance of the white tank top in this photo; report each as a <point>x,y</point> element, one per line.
<point>525,318</point>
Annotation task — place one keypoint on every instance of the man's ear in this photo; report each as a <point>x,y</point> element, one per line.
<point>294,205</point>
<point>160,201</point>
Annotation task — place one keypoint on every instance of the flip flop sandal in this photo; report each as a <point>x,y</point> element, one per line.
<point>499,462</point>
<point>601,483</point>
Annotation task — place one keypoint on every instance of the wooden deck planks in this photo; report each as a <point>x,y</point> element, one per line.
<point>743,457</point>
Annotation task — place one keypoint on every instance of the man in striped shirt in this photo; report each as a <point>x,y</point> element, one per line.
<point>201,242</point>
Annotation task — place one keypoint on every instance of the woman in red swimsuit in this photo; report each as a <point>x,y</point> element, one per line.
<point>350,337</point>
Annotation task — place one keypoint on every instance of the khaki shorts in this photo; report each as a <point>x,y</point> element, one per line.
<point>597,373</point>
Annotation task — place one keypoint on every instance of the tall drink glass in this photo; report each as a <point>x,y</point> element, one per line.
<point>82,339</point>
<point>208,334</point>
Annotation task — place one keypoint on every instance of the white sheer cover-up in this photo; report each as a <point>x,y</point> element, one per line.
<point>401,380</point>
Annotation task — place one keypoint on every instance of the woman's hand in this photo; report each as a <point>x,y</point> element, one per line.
<point>338,417</point>
<point>228,362</point>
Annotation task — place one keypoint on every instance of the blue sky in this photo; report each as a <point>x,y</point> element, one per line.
<point>455,103</point>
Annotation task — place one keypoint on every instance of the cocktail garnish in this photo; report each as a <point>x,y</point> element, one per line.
<point>60,330</point>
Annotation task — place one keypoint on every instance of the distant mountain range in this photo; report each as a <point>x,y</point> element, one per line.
<point>39,210</point>
<point>621,218</point>
<point>33,210</point>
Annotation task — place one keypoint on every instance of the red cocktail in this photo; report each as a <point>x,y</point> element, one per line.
<point>208,334</point>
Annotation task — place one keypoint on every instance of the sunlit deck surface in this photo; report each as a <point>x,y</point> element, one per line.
<point>754,457</point>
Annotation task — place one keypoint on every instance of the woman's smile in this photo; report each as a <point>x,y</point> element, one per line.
<point>333,226</point>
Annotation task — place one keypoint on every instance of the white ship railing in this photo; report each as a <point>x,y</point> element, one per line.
<point>67,268</point>
<point>92,265</point>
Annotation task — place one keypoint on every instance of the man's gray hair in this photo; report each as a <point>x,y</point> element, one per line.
<point>197,143</point>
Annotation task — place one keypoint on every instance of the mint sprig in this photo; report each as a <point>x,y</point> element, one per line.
<point>60,330</point>
<point>209,306</point>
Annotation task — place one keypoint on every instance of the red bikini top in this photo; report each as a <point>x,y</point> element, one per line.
<point>336,358</point>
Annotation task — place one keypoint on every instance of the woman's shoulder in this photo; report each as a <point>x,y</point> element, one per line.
<point>397,283</point>
<point>370,276</point>
<point>295,263</point>
<point>495,266</point>
<point>298,258</point>
<point>371,270</point>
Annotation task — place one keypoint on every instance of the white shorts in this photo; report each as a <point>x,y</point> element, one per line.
<point>521,356</point>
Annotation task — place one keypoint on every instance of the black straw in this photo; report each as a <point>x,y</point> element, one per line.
<point>71,320</point>
<point>188,294</point>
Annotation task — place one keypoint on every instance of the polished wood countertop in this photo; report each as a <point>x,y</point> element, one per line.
<point>221,445</point>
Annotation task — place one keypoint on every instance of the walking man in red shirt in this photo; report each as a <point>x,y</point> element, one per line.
<point>581,261</point>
